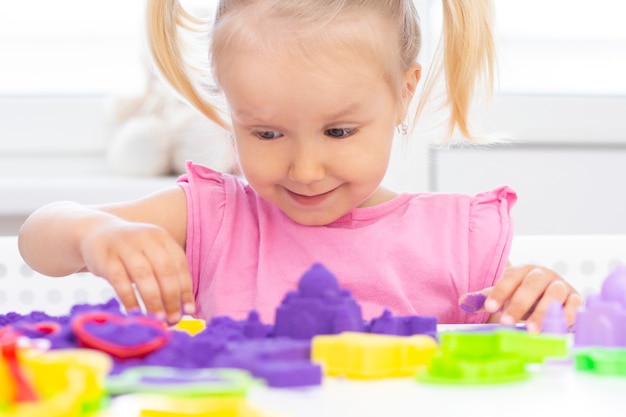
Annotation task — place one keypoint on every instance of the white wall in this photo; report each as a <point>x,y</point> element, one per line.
<point>561,190</point>
<point>567,161</point>
<point>53,148</point>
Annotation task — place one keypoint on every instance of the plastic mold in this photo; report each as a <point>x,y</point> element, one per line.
<point>151,405</point>
<point>601,321</point>
<point>491,357</point>
<point>120,336</point>
<point>21,387</point>
<point>65,401</point>
<point>319,306</point>
<point>473,358</point>
<point>366,355</point>
<point>533,347</point>
<point>601,361</point>
<point>93,364</point>
<point>70,383</point>
<point>39,330</point>
<point>190,325</point>
<point>498,369</point>
<point>554,321</point>
<point>175,381</point>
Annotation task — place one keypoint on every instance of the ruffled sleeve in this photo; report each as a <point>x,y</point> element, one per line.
<point>205,190</point>
<point>490,237</point>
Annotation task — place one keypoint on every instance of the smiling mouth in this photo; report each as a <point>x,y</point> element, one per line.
<point>310,200</point>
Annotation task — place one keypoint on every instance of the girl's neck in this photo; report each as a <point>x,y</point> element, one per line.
<point>381,195</point>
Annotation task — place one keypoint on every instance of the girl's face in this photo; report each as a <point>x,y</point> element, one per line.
<point>316,143</point>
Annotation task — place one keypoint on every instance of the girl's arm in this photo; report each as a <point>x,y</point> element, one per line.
<point>139,242</point>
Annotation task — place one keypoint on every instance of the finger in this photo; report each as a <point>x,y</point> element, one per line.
<point>167,265</point>
<point>116,275</point>
<point>573,303</point>
<point>506,286</point>
<point>557,291</point>
<point>140,272</point>
<point>526,296</point>
<point>186,286</point>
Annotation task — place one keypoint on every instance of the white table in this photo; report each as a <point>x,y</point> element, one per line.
<point>554,389</point>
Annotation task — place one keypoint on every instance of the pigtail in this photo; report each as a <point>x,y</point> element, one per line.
<point>166,23</point>
<point>469,55</point>
<point>466,56</point>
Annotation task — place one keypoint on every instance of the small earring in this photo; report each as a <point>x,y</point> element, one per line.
<point>402,129</point>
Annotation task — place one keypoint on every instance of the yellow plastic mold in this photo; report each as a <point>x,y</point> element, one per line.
<point>69,381</point>
<point>368,356</point>
<point>190,325</point>
<point>150,405</point>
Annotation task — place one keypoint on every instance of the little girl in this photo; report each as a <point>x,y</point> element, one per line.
<point>314,90</point>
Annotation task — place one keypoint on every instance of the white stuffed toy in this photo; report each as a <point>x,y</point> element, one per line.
<point>156,133</point>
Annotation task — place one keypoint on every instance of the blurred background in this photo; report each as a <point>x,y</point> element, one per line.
<point>82,118</point>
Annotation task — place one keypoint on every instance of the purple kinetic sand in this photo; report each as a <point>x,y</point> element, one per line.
<point>281,362</point>
<point>319,306</point>
<point>131,334</point>
<point>225,327</point>
<point>473,302</point>
<point>280,354</point>
<point>246,354</point>
<point>253,328</point>
<point>404,325</point>
<point>65,337</point>
<point>288,374</point>
<point>278,348</point>
<point>193,351</point>
<point>181,351</point>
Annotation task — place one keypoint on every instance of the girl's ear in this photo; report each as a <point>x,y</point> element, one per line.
<point>409,85</point>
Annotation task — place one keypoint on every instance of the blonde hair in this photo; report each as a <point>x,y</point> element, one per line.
<point>465,56</point>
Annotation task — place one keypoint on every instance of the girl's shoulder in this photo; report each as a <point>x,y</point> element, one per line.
<point>498,194</point>
<point>204,179</point>
<point>425,202</point>
<point>224,196</point>
<point>487,207</point>
<point>202,172</point>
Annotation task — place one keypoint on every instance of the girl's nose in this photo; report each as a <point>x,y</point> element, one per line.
<point>307,164</point>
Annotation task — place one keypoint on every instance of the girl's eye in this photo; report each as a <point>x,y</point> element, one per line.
<point>340,133</point>
<point>267,134</point>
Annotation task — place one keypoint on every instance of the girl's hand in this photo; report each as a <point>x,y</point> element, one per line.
<point>127,253</point>
<point>526,292</point>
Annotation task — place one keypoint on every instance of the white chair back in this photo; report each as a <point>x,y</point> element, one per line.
<point>584,260</point>
<point>22,290</point>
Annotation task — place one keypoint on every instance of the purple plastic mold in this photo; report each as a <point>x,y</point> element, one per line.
<point>601,321</point>
<point>554,321</point>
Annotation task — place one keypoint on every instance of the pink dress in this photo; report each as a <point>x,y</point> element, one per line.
<point>415,254</point>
